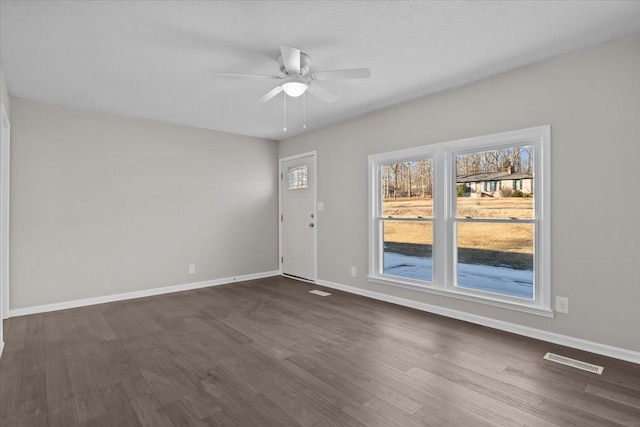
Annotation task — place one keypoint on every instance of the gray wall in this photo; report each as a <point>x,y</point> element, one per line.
<point>103,204</point>
<point>592,101</point>
<point>4,96</point>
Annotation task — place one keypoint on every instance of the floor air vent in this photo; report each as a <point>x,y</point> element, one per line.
<point>321,293</point>
<point>574,363</point>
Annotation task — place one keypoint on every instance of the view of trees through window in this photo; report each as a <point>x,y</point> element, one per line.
<point>407,179</point>
<point>407,209</point>
<point>519,159</point>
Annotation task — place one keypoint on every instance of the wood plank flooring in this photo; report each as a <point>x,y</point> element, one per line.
<point>269,353</point>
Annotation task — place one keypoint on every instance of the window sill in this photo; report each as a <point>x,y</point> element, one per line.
<point>461,294</point>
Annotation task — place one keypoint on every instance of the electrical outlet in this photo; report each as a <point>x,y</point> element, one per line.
<point>354,272</point>
<point>192,269</point>
<point>562,305</point>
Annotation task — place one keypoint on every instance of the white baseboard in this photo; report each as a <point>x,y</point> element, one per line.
<point>137,294</point>
<point>578,343</point>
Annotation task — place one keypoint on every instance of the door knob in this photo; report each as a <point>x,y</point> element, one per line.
<point>311,225</point>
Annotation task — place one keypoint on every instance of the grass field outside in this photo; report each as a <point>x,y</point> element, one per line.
<point>516,238</point>
<point>496,257</point>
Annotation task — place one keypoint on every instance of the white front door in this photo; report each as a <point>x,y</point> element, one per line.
<point>298,217</point>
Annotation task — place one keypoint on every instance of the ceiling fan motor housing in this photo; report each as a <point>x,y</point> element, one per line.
<point>305,63</point>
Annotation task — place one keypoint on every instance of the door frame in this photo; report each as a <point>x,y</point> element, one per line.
<point>5,162</point>
<point>281,161</point>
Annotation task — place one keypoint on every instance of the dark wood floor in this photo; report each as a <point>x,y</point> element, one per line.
<point>269,353</point>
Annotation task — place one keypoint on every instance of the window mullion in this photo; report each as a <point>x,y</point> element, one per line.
<point>441,227</point>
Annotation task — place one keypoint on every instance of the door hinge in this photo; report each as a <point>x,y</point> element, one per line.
<point>281,218</point>
<point>282,260</point>
<point>281,176</point>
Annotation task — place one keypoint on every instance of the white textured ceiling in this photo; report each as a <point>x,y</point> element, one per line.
<point>159,60</point>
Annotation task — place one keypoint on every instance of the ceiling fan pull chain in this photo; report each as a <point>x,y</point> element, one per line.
<point>304,110</point>
<point>284,103</point>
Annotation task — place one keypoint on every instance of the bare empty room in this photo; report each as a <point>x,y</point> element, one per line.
<point>319,213</point>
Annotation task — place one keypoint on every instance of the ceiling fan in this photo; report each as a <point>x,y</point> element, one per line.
<point>297,78</point>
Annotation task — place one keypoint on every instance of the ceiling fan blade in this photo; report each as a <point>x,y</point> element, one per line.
<point>323,94</point>
<point>291,59</point>
<point>273,92</point>
<point>354,73</point>
<point>260,76</point>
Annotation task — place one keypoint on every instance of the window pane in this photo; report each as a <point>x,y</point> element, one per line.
<point>298,177</point>
<point>407,249</point>
<point>407,189</point>
<point>496,258</point>
<point>495,183</point>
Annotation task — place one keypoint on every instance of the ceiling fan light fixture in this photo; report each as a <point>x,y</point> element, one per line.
<point>294,89</point>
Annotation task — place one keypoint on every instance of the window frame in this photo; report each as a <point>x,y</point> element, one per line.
<point>444,219</point>
<point>516,184</point>
<point>492,187</point>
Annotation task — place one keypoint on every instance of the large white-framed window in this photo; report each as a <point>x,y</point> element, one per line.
<point>446,218</point>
